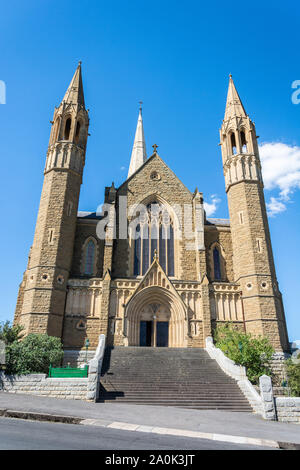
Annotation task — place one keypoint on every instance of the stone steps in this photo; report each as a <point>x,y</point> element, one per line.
<point>181,377</point>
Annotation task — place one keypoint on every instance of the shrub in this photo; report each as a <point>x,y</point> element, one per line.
<point>33,354</point>
<point>254,353</point>
<point>10,333</point>
<point>293,375</point>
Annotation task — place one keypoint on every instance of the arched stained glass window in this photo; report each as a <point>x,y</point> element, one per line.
<point>156,236</point>
<point>154,239</point>
<point>162,247</point>
<point>170,256</point>
<point>217,264</point>
<point>89,258</point>
<point>145,249</point>
<point>137,251</point>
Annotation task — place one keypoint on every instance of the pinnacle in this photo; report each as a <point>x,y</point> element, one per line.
<point>74,93</point>
<point>234,105</point>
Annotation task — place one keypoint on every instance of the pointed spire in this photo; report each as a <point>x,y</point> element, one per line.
<point>234,106</point>
<point>138,155</point>
<point>74,94</point>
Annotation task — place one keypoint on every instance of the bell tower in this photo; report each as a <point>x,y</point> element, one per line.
<point>253,261</point>
<point>45,281</point>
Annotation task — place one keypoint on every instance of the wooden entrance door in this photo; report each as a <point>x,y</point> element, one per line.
<point>146,333</point>
<point>162,334</point>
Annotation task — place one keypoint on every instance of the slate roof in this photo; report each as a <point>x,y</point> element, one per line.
<point>88,215</point>
<point>225,222</point>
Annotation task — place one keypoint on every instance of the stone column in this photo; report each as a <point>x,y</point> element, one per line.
<point>104,312</point>
<point>205,309</point>
<point>154,331</point>
<point>266,392</point>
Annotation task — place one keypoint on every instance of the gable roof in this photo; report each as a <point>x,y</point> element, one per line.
<point>153,156</point>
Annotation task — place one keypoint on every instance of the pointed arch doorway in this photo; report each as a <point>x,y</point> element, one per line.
<point>155,317</point>
<point>154,325</point>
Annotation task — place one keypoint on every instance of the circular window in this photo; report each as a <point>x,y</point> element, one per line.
<point>155,176</point>
<point>45,277</point>
<point>81,325</point>
<point>264,285</point>
<point>60,279</point>
<point>249,286</point>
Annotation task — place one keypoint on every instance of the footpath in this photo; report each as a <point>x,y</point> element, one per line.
<point>235,427</point>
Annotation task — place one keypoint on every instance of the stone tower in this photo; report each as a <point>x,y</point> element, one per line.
<point>42,293</point>
<point>253,262</point>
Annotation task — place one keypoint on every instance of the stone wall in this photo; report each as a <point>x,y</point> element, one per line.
<point>284,409</point>
<point>278,368</point>
<point>40,384</point>
<point>288,409</point>
<point>77,357</point>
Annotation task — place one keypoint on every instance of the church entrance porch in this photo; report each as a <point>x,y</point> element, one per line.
<point>154,333</point>
<point>155,317</point>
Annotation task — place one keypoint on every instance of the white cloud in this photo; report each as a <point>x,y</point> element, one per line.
<point>211,207</point>
<point>275,206</point>
<point>122,168</point>
<point>281,172</point>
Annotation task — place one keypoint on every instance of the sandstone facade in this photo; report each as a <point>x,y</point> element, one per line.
<point>79,284</point>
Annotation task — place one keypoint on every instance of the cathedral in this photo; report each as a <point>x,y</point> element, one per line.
<point>150,269</point>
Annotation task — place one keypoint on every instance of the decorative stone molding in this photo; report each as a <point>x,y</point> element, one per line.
<point>242,167</point>
<point>226,302</point>
<point>237,372</point>
<point>66,155</point>
<point>95,366</point>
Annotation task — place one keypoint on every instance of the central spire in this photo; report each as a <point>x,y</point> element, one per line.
<point>138,155</point>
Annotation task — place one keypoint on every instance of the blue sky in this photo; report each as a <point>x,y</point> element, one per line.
<point>176,57</point>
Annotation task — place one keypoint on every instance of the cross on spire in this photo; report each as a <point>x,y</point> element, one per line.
<point>155,147</point>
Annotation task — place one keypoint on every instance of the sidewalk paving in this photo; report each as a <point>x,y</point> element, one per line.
<point>166,419</point>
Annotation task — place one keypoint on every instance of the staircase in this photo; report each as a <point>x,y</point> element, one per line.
<point>182,377</point>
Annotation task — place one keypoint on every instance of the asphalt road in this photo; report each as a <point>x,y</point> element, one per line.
<point>32,435</point>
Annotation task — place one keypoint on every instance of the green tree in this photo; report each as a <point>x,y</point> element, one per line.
<point>293,375</point>
<point>10,333</point>
<point>33,354</point>
<point>254,353</point>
